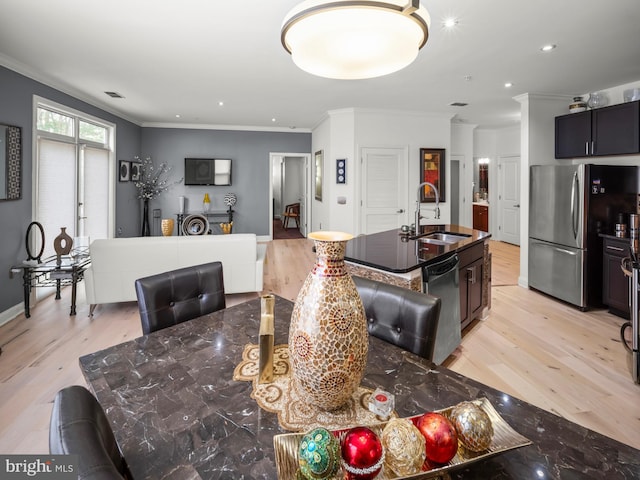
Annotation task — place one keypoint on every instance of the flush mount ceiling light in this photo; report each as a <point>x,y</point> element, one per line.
<point>355,39</point>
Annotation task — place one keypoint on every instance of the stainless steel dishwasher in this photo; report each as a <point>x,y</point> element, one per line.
<point>441,279</point>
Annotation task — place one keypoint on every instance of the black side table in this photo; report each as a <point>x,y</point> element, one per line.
<point>49,273</point>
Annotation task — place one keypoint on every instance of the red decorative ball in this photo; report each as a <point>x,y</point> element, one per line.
<point>362,454</point>
<point>440,435</point>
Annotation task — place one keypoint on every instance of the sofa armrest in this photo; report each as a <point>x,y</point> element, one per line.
<point>89,286</point>
<point>261,254</point>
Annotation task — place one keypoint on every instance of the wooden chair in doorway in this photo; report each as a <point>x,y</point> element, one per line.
<point>291,211</point>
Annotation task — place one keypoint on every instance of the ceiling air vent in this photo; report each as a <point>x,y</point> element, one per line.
<point>458,104</point>
<point>114,94</point>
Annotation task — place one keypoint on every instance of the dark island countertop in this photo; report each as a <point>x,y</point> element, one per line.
<point>395,252</point>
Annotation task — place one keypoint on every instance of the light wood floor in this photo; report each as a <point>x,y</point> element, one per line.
<point>529,346</point>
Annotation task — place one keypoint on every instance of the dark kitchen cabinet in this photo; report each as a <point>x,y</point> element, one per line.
<point>616,129</point>
<point>573,135</point>
<point>613,130</point>
<point>615,284</point>
<point>471,270</point>
<point>481,217</point>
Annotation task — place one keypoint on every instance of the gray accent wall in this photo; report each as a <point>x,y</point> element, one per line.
<point>249,152</point>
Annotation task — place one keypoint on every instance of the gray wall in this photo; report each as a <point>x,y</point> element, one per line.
<point>249,152</point>
<point>16,106</point>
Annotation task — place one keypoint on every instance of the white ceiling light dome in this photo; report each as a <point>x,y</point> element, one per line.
<point>355,39</point>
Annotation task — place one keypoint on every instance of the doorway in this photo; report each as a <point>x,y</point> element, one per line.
<point>288,185</point>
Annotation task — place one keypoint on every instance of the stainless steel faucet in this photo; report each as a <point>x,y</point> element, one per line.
<point>436,209</point>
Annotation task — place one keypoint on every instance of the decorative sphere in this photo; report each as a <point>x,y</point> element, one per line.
<point>440,437</point>
<point>473,425</point>
<point>318,455</point>
<point>362,454</point>
<point>404,447</point>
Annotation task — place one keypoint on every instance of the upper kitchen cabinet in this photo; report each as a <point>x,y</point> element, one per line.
<point>573,135</point>
<point>613,130</point>
<point>616,129</point>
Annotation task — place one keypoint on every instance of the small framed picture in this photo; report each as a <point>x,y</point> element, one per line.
<point>341,170</point>
<point>135,171</point>
<point>319,166</point>
<point>124,170</point>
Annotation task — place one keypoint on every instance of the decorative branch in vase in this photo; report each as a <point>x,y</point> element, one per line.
<point>154,179</point>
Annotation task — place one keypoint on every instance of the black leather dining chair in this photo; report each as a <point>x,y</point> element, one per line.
<point>80,427</point>
<point>400,316</point>
<point>174,297</point>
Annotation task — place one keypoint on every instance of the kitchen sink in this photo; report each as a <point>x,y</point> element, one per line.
<point>441,238</point>
<point>447,237</point>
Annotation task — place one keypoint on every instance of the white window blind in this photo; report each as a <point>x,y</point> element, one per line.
<point>56,190</point>
<point>96,194</point>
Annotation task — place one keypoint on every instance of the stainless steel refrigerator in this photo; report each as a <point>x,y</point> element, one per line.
<point>569,206</point>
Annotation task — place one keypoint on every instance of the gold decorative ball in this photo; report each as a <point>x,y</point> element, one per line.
<point>404,447</point>
<point>473,425</point>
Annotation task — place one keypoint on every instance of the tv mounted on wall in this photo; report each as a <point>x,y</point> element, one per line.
<point>207,171</point>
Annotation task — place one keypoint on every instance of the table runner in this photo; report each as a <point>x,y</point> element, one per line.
<point>283,398</point>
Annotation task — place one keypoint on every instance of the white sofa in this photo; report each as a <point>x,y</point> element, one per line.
<point>117,263</point>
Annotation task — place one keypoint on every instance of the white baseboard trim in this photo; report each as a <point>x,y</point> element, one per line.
<point>263,238</point>
<point>10,314</point>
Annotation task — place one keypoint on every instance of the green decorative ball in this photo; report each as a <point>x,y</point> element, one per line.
<point>319,455</point>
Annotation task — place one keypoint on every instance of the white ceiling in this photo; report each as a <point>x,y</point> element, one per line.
<point>169,57</point>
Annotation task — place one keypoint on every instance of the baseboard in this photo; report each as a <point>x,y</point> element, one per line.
<point>263,238</point>
<point>10,314</point>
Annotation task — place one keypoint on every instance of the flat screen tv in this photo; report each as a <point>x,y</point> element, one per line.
<point>207,171</point>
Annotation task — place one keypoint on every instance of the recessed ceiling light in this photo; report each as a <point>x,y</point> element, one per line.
<point>458,104</point>
<point>508,85</point>
<point>220,103</point>
<point>548,48</point>
<point>450,22</point>
<point>273,119</point>
<point>177,115</point>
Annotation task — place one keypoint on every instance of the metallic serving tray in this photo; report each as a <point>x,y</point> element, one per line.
<point>504,439</point>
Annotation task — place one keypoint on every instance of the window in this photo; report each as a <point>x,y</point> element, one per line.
<point>74,185</point>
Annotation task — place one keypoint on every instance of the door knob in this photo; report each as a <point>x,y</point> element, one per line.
<point>400,211</point>
<point>517,205</point>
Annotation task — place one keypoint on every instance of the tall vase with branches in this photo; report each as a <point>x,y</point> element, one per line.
<point>154,179</point>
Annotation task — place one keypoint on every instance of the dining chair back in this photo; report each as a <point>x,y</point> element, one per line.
<point>79,427</point>
<point>291,211</point>
<point>400,316</point>
<point>174,297</point>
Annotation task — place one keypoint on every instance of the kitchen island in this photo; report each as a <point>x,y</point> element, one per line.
<point>399,259</point>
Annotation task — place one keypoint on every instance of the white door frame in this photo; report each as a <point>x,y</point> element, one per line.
<point>307,209</point>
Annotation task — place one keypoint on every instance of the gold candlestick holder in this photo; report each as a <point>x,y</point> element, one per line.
<point>265,363</point>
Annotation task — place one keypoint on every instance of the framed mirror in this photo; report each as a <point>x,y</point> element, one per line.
<point>11,162</point>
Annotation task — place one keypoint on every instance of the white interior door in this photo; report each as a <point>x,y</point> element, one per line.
<point>383,201</point>
<point>509,199</point>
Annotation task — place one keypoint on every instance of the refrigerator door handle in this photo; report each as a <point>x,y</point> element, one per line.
<point>574,204</point>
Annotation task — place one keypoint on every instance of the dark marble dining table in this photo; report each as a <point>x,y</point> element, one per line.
<point>177,413</point>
